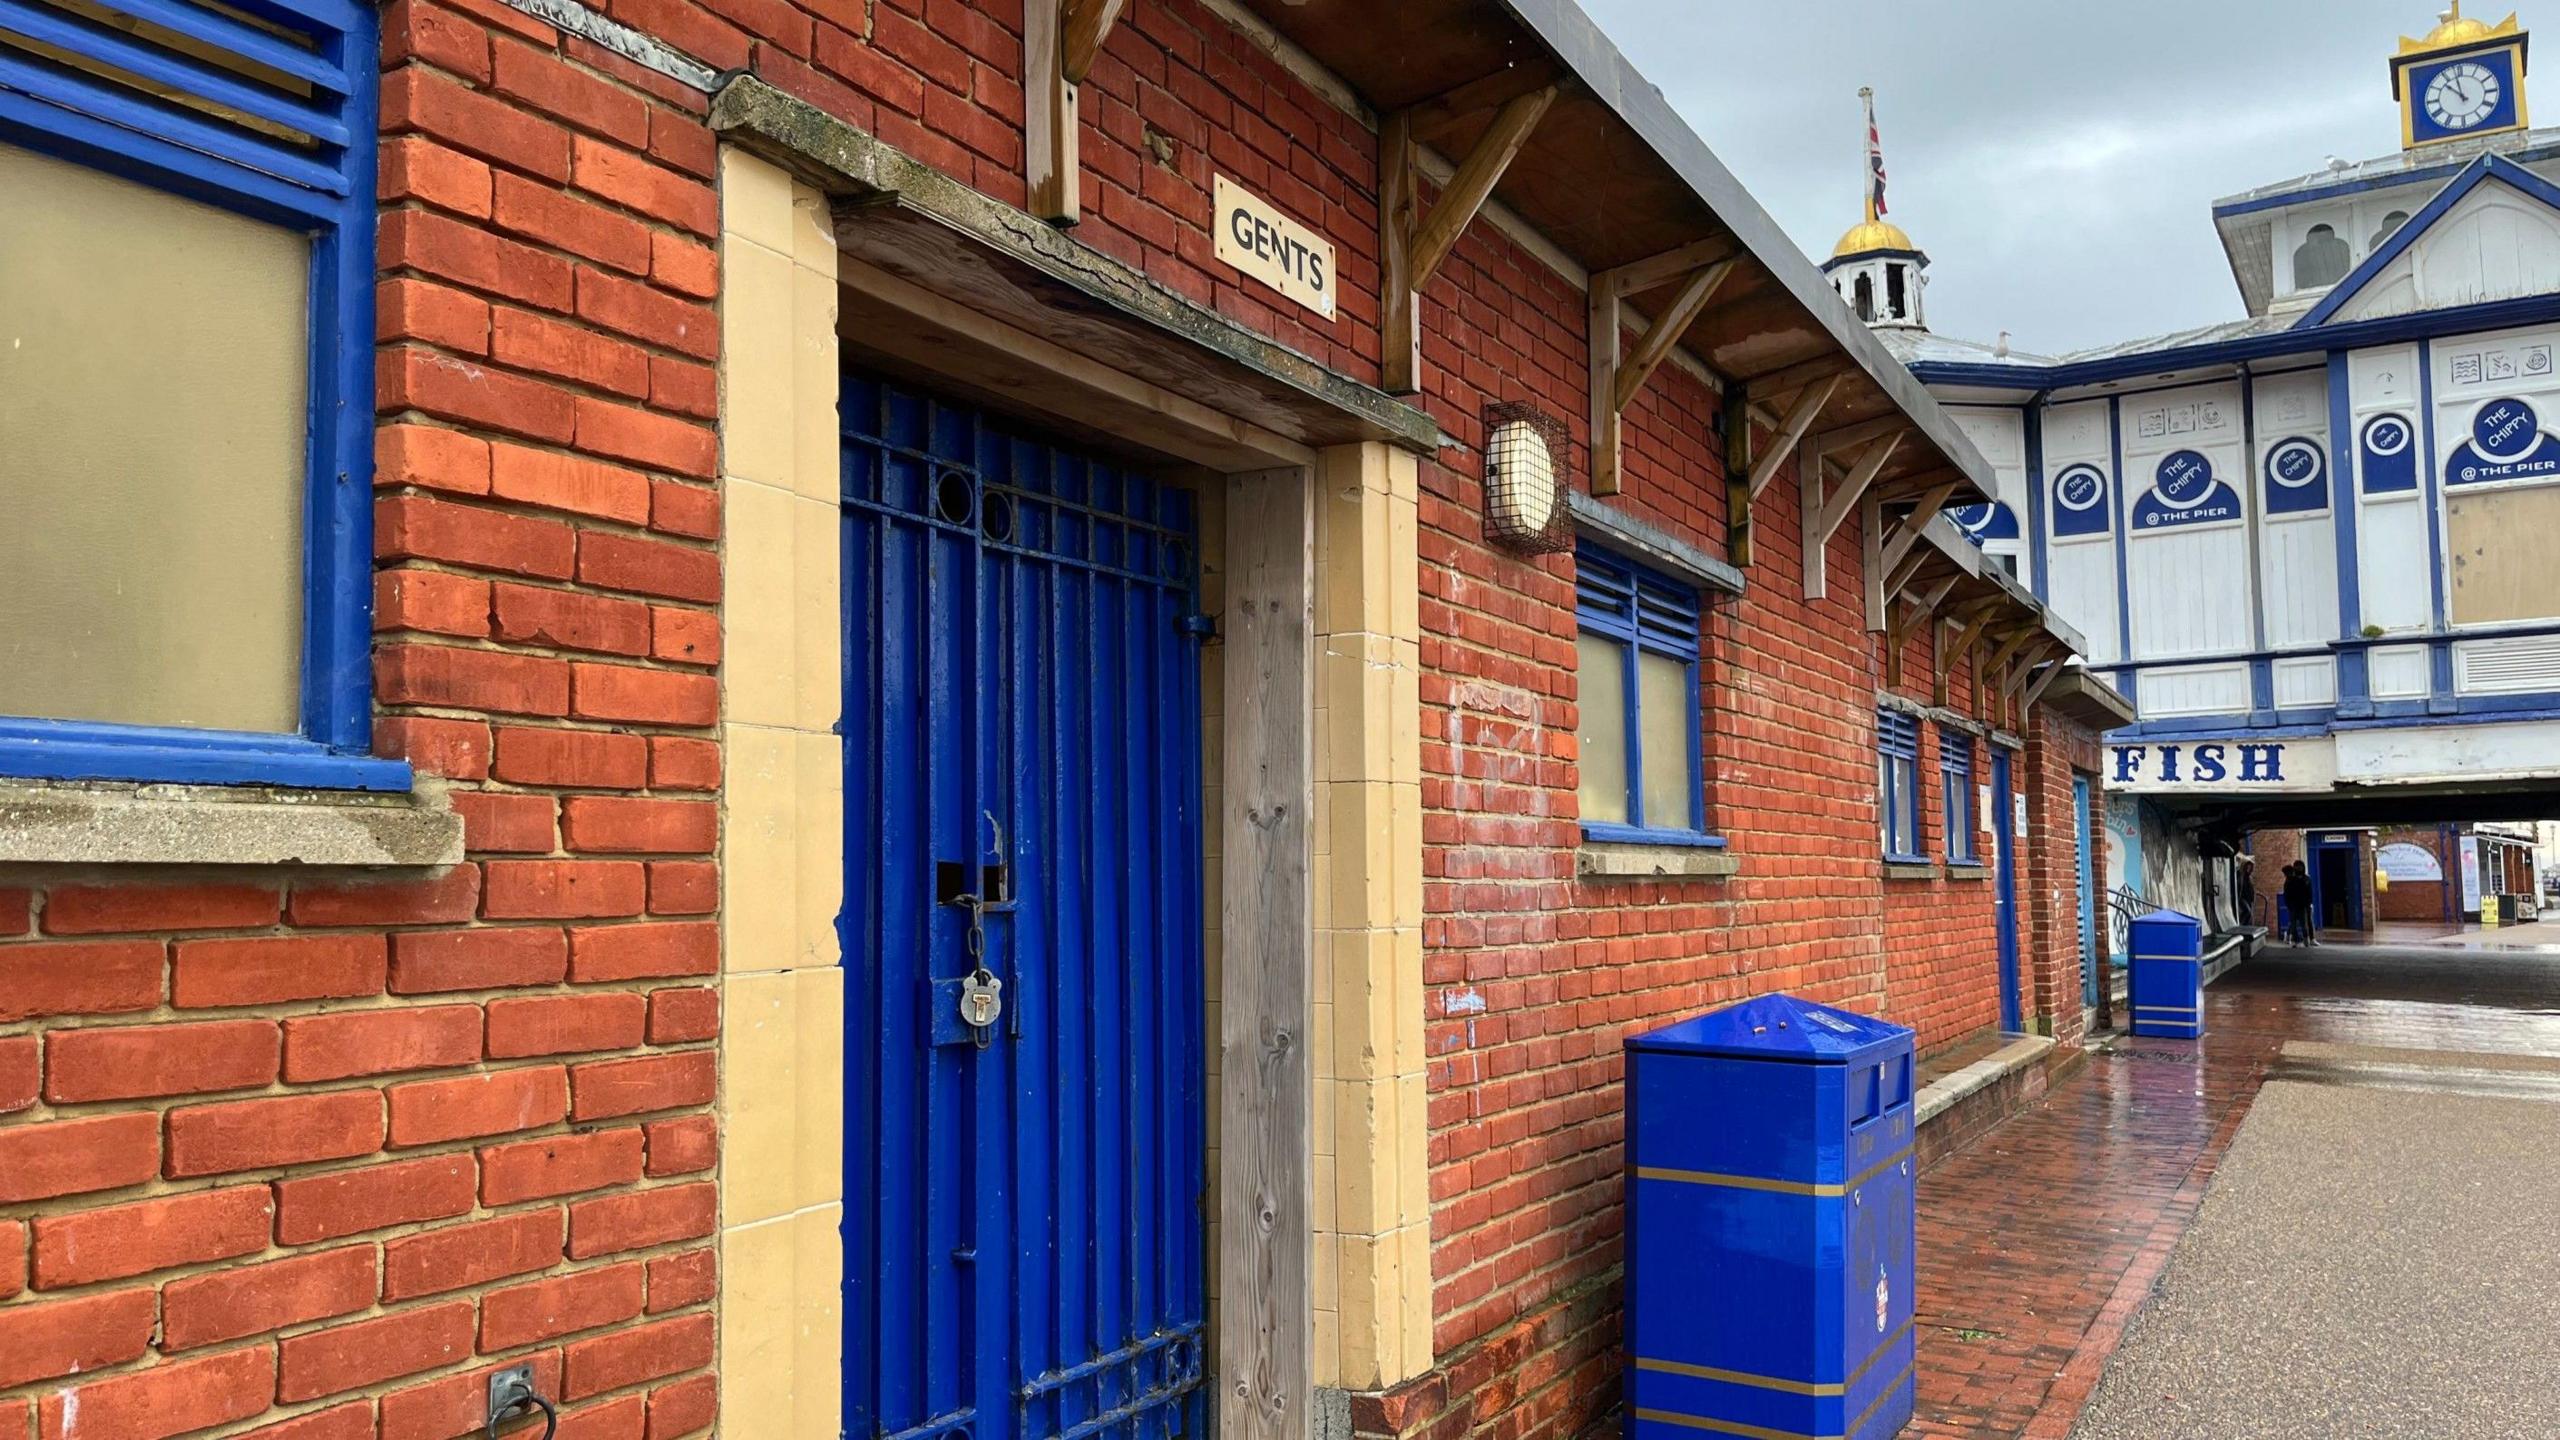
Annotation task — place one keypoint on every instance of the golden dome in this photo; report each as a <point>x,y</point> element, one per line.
<point>1872,235</point>
<point>2455,28</point>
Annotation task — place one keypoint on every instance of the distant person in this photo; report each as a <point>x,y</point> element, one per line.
<point>2297,905</point>
<point>2247,884</point>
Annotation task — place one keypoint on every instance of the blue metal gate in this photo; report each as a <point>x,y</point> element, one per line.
<point>2004,878</point>
<point>1023,1227</point>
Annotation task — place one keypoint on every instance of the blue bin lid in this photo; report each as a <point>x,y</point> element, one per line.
<point>2167,916</point>
<point>1778,1027</point>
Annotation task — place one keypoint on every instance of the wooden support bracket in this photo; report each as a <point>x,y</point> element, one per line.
<point>1907,534</point>
<point>1824,514</point>
<point>1800,418</point>
<point>1615,382</point>
<point>1060,40</point>
<point>1411,243</point>
<point>2052,671</point>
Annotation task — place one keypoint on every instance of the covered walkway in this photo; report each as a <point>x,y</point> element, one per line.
<point>2040,1240</point>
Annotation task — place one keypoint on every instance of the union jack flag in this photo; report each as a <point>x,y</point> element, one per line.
<point>1875,158</point>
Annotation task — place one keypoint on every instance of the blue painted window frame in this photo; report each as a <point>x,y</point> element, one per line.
<point>1955,788</point>
<point>1898,786</point>
<point>1647,613</point>
<point>325,190</point>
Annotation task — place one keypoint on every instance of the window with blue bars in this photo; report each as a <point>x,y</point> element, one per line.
<point>1898,781</point>
<point>188,233</point>
<point>1955,786</point>
<point>1640,735</point>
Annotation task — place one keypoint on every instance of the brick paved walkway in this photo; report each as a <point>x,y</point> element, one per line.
<point>2040,1240</point>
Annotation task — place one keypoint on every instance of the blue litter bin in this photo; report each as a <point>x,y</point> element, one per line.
<point>1770,1224</point>
<point>2168,975</point>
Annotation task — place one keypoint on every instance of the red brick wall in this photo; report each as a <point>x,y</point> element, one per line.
<point>329,1146</point>
<point>2421,900</point>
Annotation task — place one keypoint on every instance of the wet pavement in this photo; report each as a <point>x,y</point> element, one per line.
<point>2041,1240</point>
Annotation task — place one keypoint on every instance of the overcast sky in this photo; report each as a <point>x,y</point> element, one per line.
<point>2058,162</point>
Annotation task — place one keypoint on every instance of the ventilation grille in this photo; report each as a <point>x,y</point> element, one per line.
<point>2507,667</point>
<point>253,100</point>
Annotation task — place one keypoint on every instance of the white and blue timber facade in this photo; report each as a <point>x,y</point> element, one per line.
<point>2318,547</point>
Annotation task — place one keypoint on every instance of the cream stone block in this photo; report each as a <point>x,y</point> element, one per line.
<point>1320,1138</point>
<point>1364,1158</point>
<point>759,1348</point>
<point>760,1096</point>
<point>761,606</point>
<point>1351,557</point>
<point>1372,1277</point>
<point>781,1362</point>
<point>817,849</point>
<point>1405,852</point>
<point>1323,1208</point>
<point>1320,1040</point>
<point>817,566</point>
<point>1324,1271</point>
<point>815,435</point>
<point>756,362</point>
<point>1413,1254</point>
<point>817,1310</point>
<point>1364,1003</point>
<point>1404,569</point>
<point>1404,724</point>
<point>759,844</point>
<point>1326,1360</point>
<point>1356,672</point>
<point>818,1086</point>
<point>756,197</point>
<point>1404,977</point>
<point>813,230</point>
<point>1410,1154</point>
<point>1359,857</point>
<point>1404,474</point>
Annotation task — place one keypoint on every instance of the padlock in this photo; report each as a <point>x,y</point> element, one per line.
<point>981,999</point>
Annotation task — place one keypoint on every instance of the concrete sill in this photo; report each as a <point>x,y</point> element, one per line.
<point>1911,870</point>
<point>1936,1097</point>
<point>1609,860</point>
<point>1968,870</point>
<point>48,823</point>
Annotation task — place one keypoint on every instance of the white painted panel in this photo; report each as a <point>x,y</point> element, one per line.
<point>2396,672</point>
<point>2393,577</point>
<point>2186,585</point>
<point>2194,690</point>
<point>2496,243</point>
<point>2387,375</point>
<point>2507,667</point>
<point>2000,433</point>
<point>2297,550</point>
<point>2422,754</point>
<point>2189,592</point>
<point>2084,592</point>
<point>2305,680</point>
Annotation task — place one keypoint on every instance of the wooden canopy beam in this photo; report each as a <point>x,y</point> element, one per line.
<point>1907,533</point>
<point>1800,418</point>
<point>1060,41</point>
<point>1412,244</point>
<point>2052,671</point>
<point>1824,514</point>
<point>1615,382</point>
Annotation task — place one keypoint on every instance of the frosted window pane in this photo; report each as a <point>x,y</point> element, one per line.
<point>153,420</point>
<point>1670,748</point>
<point>1601,686</point>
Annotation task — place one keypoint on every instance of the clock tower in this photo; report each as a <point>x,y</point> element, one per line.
<point>2465,79</point>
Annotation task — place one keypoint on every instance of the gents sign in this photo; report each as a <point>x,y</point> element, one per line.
<point>2154,767</point>
<point>1256,238</point>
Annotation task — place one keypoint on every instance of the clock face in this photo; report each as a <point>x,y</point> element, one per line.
<point>2462,95</point>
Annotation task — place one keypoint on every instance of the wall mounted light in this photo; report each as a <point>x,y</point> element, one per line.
<point>1524,480</point>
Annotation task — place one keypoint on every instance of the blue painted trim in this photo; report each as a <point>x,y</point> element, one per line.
<point>327,192</point>
<point>1601,575</point>
<point>2487,167</point>
<point>2118,519</point>
<point>2386,715</point>
<point>2037,549</point>
<point>1604,833</point>
<point>2348,335</point>
<point>2431,486</point>
<point>2392,181</point>
<point>2346,490</point>
<point>67,750</point>
<point>1955,795</point>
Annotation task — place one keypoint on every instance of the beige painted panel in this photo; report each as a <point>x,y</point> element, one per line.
<point>780,1351</point>
<point>2499,549</point>
<point>154,391</point>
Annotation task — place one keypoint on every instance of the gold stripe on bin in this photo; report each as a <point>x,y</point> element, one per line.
<point>1763,1432</point>
<point>1778,1187</point>
<point>1772,1382</point>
